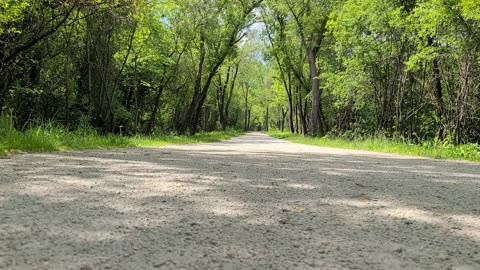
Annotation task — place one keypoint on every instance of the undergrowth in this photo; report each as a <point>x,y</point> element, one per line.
<point>52,137</point>
<point>439,150</point>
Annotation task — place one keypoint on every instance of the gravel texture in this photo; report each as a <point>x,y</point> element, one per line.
<point>252,202</point>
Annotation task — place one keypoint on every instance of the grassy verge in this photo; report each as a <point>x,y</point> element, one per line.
<point>441,151</point>
<point>53,138</point>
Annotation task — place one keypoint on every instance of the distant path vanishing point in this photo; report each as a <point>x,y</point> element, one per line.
<point>252,202</point>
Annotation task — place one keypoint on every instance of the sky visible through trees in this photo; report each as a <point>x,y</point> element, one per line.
<point>355,68</point>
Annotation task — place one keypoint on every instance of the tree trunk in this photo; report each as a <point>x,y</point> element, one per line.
<point>300,111</point>
<point>230,94</point>
<point>438,95</point>
<point>247,114</point>
<point>193,111</point>
<point>221,92</point>
<point>267,120</point>
<point>67,92</point>
<point>296,120</point>
<point>317,127</point>
<point>466,72</point>
<point>290,104</point>
<point>284,115</point>
<point>153,116</point>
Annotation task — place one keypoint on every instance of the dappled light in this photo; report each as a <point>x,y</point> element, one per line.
<point>330,207</point>
<point>236,134</point>
<point>462,225</point>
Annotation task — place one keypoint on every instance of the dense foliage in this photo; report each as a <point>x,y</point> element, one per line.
<point>403,69</point>
<point>134,65</point>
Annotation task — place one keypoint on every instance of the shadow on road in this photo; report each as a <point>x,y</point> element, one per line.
<point>252,202</point>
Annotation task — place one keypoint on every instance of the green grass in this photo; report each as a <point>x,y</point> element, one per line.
<point>50,137</point>
<point>434,150</point>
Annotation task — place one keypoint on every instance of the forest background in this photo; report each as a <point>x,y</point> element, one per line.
<point>404,73</point>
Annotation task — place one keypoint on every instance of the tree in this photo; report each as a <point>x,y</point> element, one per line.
<point>218,30</point>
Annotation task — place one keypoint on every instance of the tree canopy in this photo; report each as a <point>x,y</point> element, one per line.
<point>408,69</point>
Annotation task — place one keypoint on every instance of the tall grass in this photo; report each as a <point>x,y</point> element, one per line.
<point>439,150</point>
<point>52,137</point>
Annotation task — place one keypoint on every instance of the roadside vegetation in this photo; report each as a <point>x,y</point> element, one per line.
<point>53,137</point>
<point>440,150</point>
<point>405,69</point>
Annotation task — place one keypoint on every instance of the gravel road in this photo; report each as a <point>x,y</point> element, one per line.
<point>252,202</point>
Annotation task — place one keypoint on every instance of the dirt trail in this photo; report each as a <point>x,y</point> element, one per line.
<point>252,202</point>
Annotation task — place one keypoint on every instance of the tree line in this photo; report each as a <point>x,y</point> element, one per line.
<point>406,69</point>
<point>362,67</point>
<point>144,66</point>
